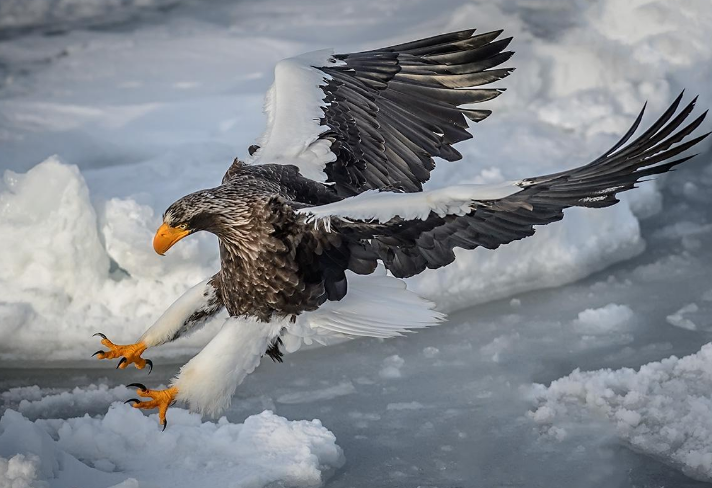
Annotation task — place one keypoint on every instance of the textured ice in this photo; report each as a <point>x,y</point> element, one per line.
<point>678,319</point>
<point>391,367</point>
<point>663,409</point>
<point>66,274</point>
<point>93,399</point>
<point>124,444</point>
<point>603,320</point>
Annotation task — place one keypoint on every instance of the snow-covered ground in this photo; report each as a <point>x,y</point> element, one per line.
<point>527,385</point>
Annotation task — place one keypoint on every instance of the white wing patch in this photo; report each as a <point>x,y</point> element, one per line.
<point>294,110</point>
<point>377,305</point>
<point>382,206</point>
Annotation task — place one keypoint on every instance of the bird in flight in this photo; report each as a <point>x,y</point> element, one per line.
<point>327,215</point>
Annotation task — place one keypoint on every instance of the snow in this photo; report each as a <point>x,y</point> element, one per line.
<point>603,320</point>
<point>663,409</point>
<point>93,399</point>
<point>59,274</point>
<point>391,367</point>
<point>678,319</point>
<point>124,445</point>
<point>19,472</point>
<point>145,101</point>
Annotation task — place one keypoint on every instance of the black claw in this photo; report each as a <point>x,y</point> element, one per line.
<point>135,400</point>
<point>100,335</point>
<point>165,424</point>
<point>139,386</point>
<point>150,365</point>
<point>121,361</point>
<point>97,352</point>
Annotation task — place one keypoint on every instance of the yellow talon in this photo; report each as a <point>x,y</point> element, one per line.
<point>160,399</point>
<point>129,354</point>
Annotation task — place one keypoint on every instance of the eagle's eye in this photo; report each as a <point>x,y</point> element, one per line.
<point>182,226</point>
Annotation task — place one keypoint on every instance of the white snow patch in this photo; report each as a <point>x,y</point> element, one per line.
<point>59,276</point>
<point>391,368</point>
<point>431,352</point>
<point>499,345</point>
<point>612,317</point>
<point>20,471</point>
<point>125,444</point>
<point>664,409</point>
<point>678,318</point>
<point>12,397</point>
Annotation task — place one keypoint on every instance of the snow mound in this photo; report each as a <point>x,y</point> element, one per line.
<point>603,320</point>
<point>64,274</point>
<point>678,318</point>
<point>127,449</point>
<point>20,472</point>
<point>391,367</point>
<point>664,409</point>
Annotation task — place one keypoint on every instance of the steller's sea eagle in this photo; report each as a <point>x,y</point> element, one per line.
<point>327,215</point>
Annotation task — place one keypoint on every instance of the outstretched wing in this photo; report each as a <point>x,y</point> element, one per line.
<point>410,233</point>
<point>376,119</point>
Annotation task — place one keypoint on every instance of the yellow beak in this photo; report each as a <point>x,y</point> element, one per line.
<point>166,236</point>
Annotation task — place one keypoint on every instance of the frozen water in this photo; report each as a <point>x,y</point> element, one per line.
<point>125,444</point>
<point>678,319</point>
<point>144,101</point>
<point>603,320</point>
<point>663,409</point>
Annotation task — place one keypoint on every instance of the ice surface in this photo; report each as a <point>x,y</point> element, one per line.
<point>663,409</point>
<point>678,319</point>
<point>603,320</point>
<point>124,444</point>
<point>142,106</point>
<point>391,368</point>
<point>20,471</point>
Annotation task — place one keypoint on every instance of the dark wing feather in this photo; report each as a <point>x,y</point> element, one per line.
<point>409,247</point>
<point>391,110</point>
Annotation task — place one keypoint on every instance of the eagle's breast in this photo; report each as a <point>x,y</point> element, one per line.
<point>266,267</point>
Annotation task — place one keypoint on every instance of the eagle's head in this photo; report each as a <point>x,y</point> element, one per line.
<point>213,210</point>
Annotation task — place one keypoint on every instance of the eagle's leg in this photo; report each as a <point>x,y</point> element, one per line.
<point>130,353</point>
<point>160,399</point>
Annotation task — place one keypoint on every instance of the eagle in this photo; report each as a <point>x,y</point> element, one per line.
<point>320,224</point>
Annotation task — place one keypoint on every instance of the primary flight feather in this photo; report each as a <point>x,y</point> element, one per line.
<point>328,213</point>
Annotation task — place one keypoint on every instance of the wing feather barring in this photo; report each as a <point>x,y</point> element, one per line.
<point>327,215</point>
